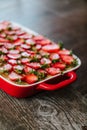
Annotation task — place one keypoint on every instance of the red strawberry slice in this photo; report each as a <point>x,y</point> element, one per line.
<point>6,23</point>
<point>30,52</point>
<point>14,56</point>
<point>12,62</point>
<point>45,42</point>
<point>25,54</point>
<point>25,36</point>
<point>14,51</point>
<point>14,37</point>
<point>42,71</point>
<point>9,45</point>
<point>27,69</point>
<point>51,48</point>
<point>38,38</point>
<point>13,76</point>
<point>4,50</point>
<point>15,28</point>
<point>19,49</point>
<point>18,42</point>
<point>20,32</point>
<point>30,42</point>
<point>4,57</point>
<point>64,52</point>
<point>67,59</point>
<point>34,65</point>
<point>62,66</point>
<point>9,32</point>
<point>1,44</point>
<point>31,78</point>
<point>45,61</point>
<point>18,67</point>
<point>44,53</point>
<point>2,35</point>
<point>3,40</point>
<point>38,46</point>
<point>25,46</point>
<point>54,56</point>
<point>53,71</point>
<point>7,67</point>
<point>24,60</point>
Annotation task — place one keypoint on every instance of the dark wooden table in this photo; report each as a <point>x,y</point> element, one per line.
<point>64,109</point>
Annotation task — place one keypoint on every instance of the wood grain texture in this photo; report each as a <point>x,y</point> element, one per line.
<point>64,109</point>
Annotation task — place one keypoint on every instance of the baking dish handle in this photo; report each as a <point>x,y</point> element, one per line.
<point>71,78</point>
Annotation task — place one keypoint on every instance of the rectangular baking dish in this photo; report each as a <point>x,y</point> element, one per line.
<point>21,91</point>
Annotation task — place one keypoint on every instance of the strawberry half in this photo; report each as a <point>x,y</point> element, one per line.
<point>62,66</point>
<point>51,48</point>
<point>31,78</point>
<point>67,59</point>
<point>64,52</point>
<point>53,71</point>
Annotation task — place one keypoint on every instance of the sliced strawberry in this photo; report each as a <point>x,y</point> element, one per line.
<point>45,42</point>
<point>42,71</point>
<point>20,32</point>
<point>2,27</point>
<point>14,51</point>
<point>7,67</point>
<point>18,42</point>
<point>45,61</point>
<point>67,59</point>
<point>25,46</point>
<point>6,23</point>
<point>44,53</point>
<point>14,37</point>
<point>13,76</point>
<point>36,56</point>
<point>53,71</point>
<point>9,45</point>
<point>1,44</point>
<point>19,49</point>
<point>18,69</point>
<point>12,62</point>
<point>31,78</point>
<point>51,48</point>
<point>64,52</point>
<point>2,35</point>
<point>25,36</point>
<point>24,60</point>
<point>30,52</point>
<point>27,69</point>
<point>54,56</point>
<point>14,56</point>
<point>4,57</point>
<point>38,46</point>
<point>30,42</point>
<point>25,54</point>
<point>38,38</point>
<point>9,32</point>
<point>34,65</point>
<point>3,40</point>
<point>4,50</point>
<point>15,28</point>
<point>62,66</point>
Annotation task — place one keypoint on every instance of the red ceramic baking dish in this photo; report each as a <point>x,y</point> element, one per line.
<point>24,90</point>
